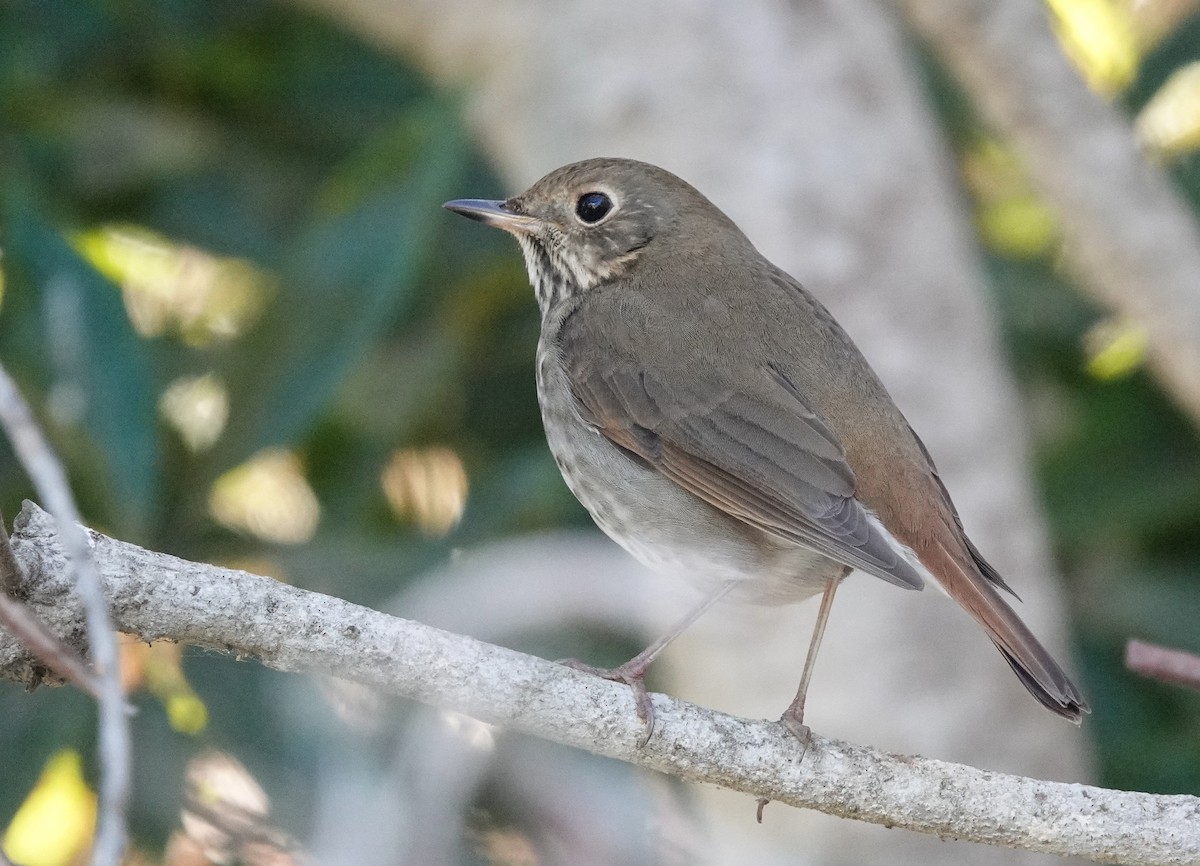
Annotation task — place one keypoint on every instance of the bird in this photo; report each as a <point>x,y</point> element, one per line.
<point>719,424</point>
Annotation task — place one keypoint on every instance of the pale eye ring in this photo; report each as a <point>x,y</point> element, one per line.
<point>591,207</point>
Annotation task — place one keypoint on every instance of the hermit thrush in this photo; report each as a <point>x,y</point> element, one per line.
<point>718,423</point>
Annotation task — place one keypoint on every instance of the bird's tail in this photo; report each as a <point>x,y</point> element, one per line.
<point>1030,661</point>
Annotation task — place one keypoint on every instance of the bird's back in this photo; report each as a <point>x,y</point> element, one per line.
<point>797,335</point>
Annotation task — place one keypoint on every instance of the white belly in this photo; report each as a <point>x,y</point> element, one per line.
<point>661,524</point>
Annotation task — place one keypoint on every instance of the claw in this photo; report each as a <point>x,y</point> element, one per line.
<point>632,675</point>
<point>795,726</point>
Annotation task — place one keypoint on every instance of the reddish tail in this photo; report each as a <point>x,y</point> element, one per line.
<point>1030,661</point>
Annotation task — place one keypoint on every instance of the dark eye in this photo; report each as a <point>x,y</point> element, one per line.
<point>593,207</point>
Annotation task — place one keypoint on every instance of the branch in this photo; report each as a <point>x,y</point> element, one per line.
<point>50,481</point>
<point>46,648</point>
<point>45,645</point>
<point>155,597</point>
<point>1165,665</point>
<point>1127,233</point>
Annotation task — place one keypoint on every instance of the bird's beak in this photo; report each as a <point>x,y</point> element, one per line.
<point>492,213</point>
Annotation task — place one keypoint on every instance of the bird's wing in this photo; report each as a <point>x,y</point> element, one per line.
<point>752,449</point>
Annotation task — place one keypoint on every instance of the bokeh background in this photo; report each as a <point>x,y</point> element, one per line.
<point>256,339</point>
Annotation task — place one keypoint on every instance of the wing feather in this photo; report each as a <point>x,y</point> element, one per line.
<point>758,454</point>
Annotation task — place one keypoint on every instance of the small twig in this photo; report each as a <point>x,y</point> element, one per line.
<point>50,481</point>
<point>1165,665</point>
<point>19,619</point>
<point>46,646</point>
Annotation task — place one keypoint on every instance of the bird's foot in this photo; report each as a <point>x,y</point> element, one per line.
<point>793,722</point>
<point>634,676</point>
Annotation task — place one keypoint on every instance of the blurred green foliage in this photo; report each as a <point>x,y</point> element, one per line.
<point>1119,470</point>
<point>252,131</point>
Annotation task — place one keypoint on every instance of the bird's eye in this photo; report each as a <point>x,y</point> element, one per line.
<point>593,207</point>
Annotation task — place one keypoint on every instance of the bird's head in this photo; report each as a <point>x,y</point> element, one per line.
<point>591,222</point>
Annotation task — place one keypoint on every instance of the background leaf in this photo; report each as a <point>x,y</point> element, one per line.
<point>350,276</point>
<point>79,347</point>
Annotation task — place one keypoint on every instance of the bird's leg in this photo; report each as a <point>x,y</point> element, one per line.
<point>633,672</point>
<point>793,716</point>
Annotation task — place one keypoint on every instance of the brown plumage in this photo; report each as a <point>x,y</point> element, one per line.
<point>717,422</point>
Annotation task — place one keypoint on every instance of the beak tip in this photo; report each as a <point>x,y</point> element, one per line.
<point>478,209</point>
<point>493,213</point>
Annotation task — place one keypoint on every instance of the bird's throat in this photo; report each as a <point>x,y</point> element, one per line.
<point>552,282</point>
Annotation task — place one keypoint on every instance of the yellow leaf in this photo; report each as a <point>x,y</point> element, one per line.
<point>1115,349</point>
<point>57,819</point>
<point>268,497</point>
<point>427,486</point>
<point>1170,122</point>
<point>1020,226</point>
<point>187,713</point>
<point>1101,37</point>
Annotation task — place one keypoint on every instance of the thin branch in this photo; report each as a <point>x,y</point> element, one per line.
<point>1160,663</point>
<point>155,596</point>
<point>1127,233</point>
<point>50,481</point>
<point>46,646</point>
